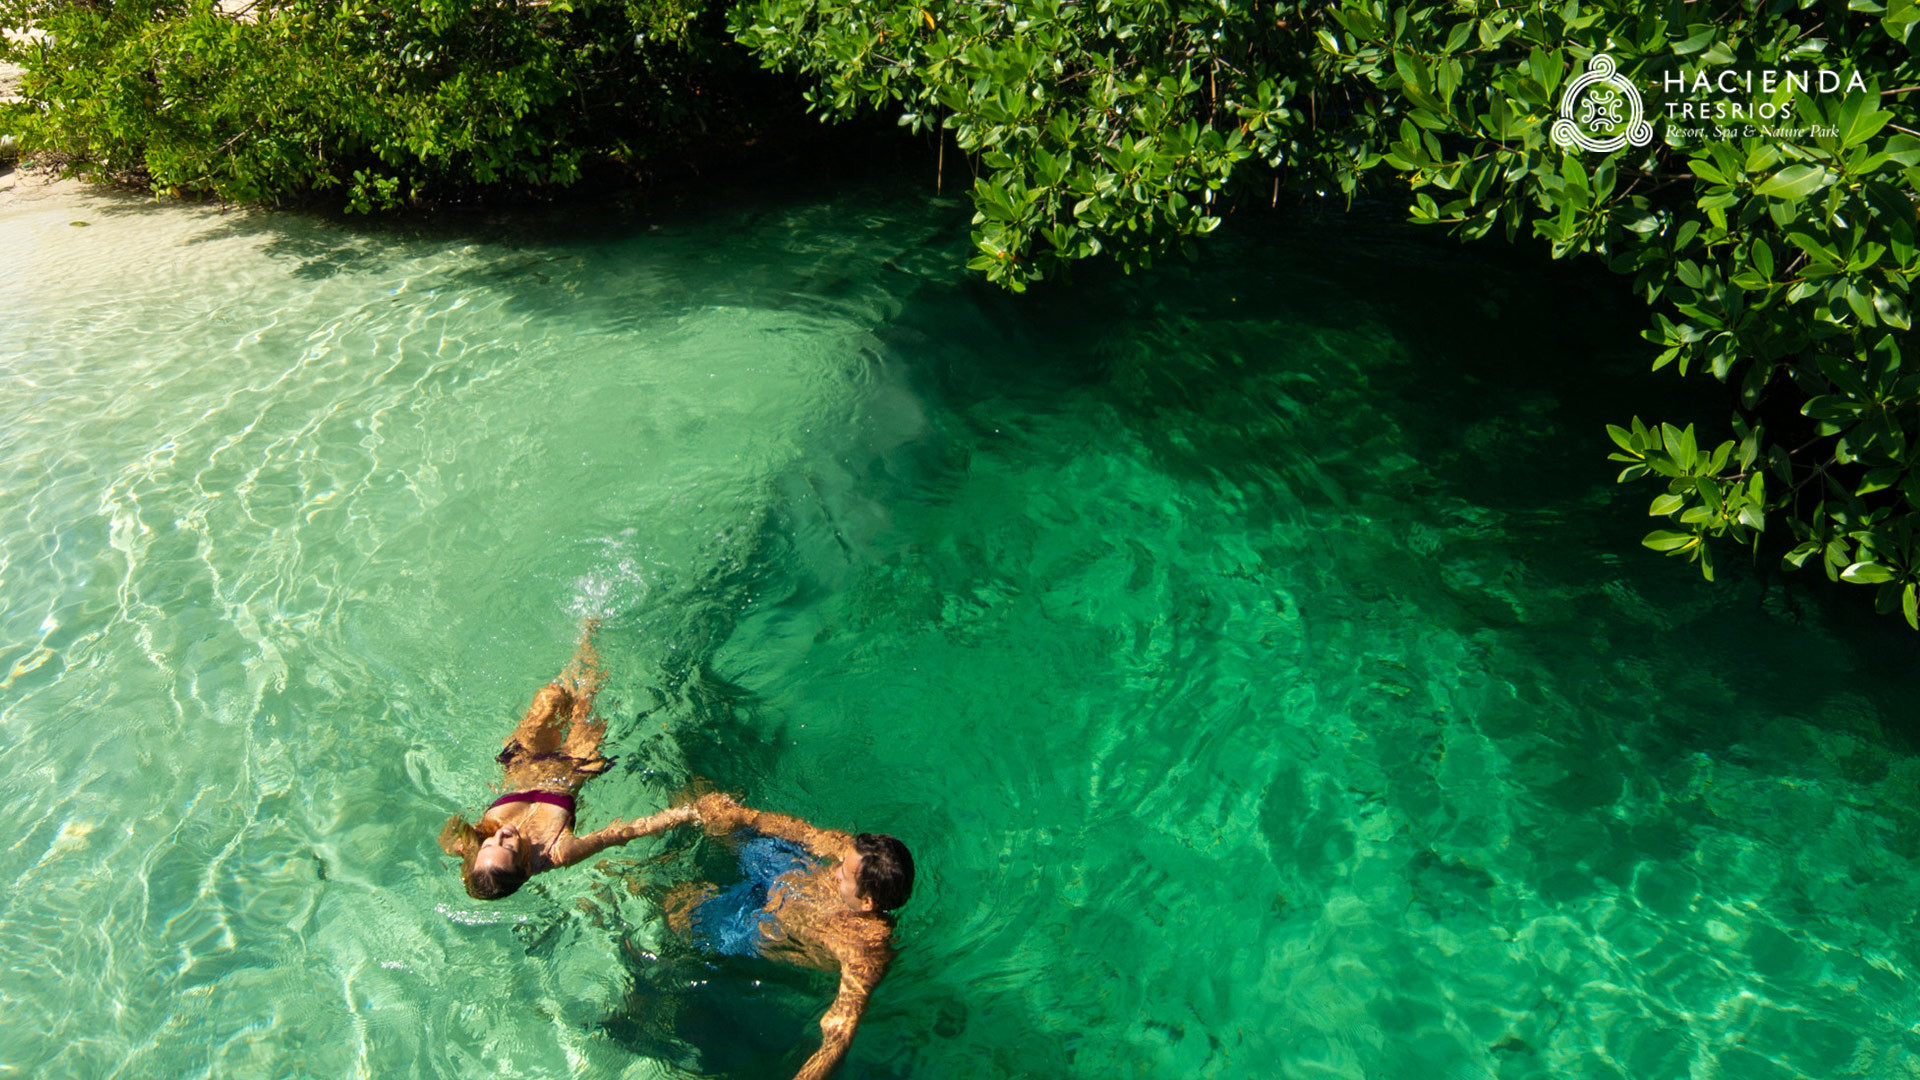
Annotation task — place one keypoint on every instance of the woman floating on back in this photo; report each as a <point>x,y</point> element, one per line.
<point>529,830</point>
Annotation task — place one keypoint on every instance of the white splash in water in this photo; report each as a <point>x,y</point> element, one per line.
<point>620,584</point>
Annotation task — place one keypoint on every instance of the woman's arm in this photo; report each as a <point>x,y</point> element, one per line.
<point>457,837</point>
<point>570,849</point>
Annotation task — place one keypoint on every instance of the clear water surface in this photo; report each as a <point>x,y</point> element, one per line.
<point>1255,653</point>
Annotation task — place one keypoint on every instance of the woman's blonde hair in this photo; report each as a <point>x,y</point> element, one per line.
<point>462,840</point>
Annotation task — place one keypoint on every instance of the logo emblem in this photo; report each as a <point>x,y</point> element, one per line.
<point>1609,111</point>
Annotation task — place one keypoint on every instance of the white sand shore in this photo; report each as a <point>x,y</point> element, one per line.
<point>67,231</point>
<point>10,73</point>
<point>19,189</point>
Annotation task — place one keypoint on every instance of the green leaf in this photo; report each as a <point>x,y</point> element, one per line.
<point>1680,444</point>
<point>1831,407</point>
<point>1861,303</point>
<point>1701,35</point>
<point>1793,182</point>
<point>1705,171</point>
<point>1710,495</point>
<point>1574,172</point>
<point>1866,573</point>
<point>1880,479</point>
<point>1892,309</point>
<point>1665,504</point>
<point>1859,121</point>
<point>1668,540</point>
<point>1814,244</point>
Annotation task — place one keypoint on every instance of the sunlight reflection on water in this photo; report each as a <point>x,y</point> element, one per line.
<point>1252,654</point>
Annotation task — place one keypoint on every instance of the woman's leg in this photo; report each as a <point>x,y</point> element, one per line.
<point>539,730</point>
<point>583,673</point>
<point>583,742</point>
<point>565,701</point>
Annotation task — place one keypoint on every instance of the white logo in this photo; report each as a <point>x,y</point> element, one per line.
<point>1603,126</point>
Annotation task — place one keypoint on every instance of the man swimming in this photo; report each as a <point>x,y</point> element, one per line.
<point>794,907</point>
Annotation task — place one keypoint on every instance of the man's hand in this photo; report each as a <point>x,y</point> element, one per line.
<point>838,1026</point>
<point>719,813</point>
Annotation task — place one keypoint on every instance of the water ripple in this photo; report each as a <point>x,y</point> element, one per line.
<point>287,542</point>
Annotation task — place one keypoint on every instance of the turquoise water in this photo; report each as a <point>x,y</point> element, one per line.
<point>1255,654</point>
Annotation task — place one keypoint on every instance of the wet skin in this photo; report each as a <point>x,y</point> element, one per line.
<point>821,919</point>
<point>555,749</point>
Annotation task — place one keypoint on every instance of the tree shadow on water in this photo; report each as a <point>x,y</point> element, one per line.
<point>1439,410</point>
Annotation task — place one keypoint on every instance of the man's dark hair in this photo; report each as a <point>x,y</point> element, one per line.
<point>494,884</point>
<point>886,870</point>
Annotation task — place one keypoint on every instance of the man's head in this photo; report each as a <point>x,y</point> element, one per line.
<point>499,865</point>
<point>878,875</point>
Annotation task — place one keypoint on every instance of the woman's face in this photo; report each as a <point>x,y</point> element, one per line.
<point>501,851</point>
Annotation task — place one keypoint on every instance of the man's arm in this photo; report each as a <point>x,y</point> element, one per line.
<point>720,814</point>
<point>570,849</point>
<point>837,1027</point>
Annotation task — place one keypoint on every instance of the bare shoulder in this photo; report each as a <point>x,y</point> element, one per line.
<point>864,946</point>
<point>833,844</point>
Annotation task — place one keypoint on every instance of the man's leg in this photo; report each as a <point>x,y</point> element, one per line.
<point>680,902</point>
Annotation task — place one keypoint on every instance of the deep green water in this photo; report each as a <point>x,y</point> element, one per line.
<point>1256,655</point>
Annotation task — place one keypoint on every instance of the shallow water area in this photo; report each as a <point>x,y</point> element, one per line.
<point>1255,654</point>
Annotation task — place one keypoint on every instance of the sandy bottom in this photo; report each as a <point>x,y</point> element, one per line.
<point>10,73</point>
<point>21,190</point>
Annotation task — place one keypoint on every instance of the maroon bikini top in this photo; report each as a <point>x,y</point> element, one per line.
<point>564,802</point>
